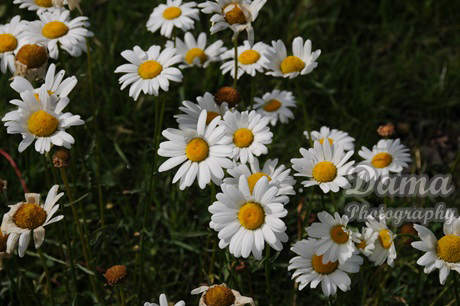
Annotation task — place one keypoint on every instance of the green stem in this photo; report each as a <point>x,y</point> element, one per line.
<point>47,273</point>
<point>19,294</point>
<point>213,259</point>
<point>26,282</point>
<point>235,76</point>
<point>333,201</point>
<point>267,274</point>
<point>457,296</point>
<point>253,84</point>
<point>307,123</point>
<point>454,167</point>
<point>122,294</point>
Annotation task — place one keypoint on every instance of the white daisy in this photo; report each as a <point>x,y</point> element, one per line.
<point>31,217</point>
<point>164,302</point>
<point>275,106</point>
<point>173,14</point>
<point>247,133</point>
<point>11,39</point>
<point>202,152</point>
<point>311,269</point>
<point>367,238</point>
<point>35,5</point>
<point>148,71</point>
<point>384,246</point>
<point>41,119</point>
<point>250,59</point>
<point>303,61</point>
<point>237,15</point>
<point>192,111</point>
<point>444,253</point>
<point>221,295</point>
<point>72,4</point>
<point>277,176</point>
<point>334,136</point>
<point>326,165</point>
<point>56,30</point>
<point>245,220</point>
<point>3,243</point>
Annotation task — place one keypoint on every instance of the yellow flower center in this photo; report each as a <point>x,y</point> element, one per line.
<point>385,239</point>
<point>44,3</point>
<point>361,245</point>
<point>197,150</point>
<point>235,15</point>
<point>55,29</point>
<point>328,268</point>
<point>382,160</point>
<point>321,141</point>
<point>292,64</point>
<point>172,13</point>
<point>338,235</point>
<point>29,216</point>
<point>3,240</point>
<point>210,116</point>
<point>33,56</point>
<point>448,248</point>
<point>243,138</point>
<point>42,124</point>
<point>249,57</point>
<point>272,105</point>
<point>324,172</point>
<point>150,69</point>
<point>254,178</point>
<point>219,296</point>
<point>7,43</point>
<point>194,53</point>
<point>251,215</point>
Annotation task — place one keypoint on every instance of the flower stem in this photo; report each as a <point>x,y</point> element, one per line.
<point>253,84</point>
<point>19,294</point>
<point>47,273</point>
<point>333,201</point>
<point>267,274</point>
<point>235,75</point>
<point>457,296</point>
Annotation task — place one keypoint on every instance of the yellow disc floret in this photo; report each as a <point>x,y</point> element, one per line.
<point>44,3</point>
<point>254,178</point>
<point>321,141</point>
<point>234,14</point>
<point>251,215</point>
<point>55,29</point>
<point>219,296</point>
<point>172,12</point>
<point>243,138</point>
<point>324,172</point>
<point>361,245</point>
<point>210,116</point>
<point>8,43</point>
<point>195,53</point>
<point>29,216</point>
<point>33,56</point>
<point>320,267</point>
<point>385,239</point>
<point>42,124</point>
<point>150,69</point>
<point>338,235</point>
<point>197,150</point>
<point>249,57</point>
<point>448,248</point>
<point>382,160</point>
<point>272,105</point>
<point>292,64</point>
<point>3,240</point>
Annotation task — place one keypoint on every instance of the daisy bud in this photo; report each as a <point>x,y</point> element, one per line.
<point>115,274</point>
<point>386,130</point>
<point>228,94</point>
<point>61,159</point>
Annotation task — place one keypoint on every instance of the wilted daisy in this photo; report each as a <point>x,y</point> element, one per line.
<point>41,119</point>
<point>367,238</point>
<point>11,39</point>
<point>221,295</point>
<point>310,268</point>
<point>245,220</point>
<point>29,217</point>
<point>248,133</point>
<point>31,61</point>
<point>237,15</point>
<point>250,59</point>
<point>333,136</point>
<point>3,243</point>
<point>164,302</point>
<point>56,29</point>
<point>203,153</point>
<point>192,111</point>
<point>384,245</point>
<point>173,14</point>
<point>275,106</point>
<point>326,165</point>
<point>303,61</point>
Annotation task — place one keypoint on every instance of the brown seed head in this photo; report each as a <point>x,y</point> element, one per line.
<point>115,274</point>
<point>386,130</point>
<point>32,55</point>
<point>61,159</point>
<point>228,94</point>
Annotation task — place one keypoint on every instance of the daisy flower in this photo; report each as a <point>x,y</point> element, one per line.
<point>31,61</point>
<point>247,133</point>
<point>367,238</point>
<point>333,136</point>
<point>302,62</point>
<point>202,152</point>
<point>172,15</point>
<point>245,220</point>
<point>221,295</point>
<point>164,302</point>
<point>3,243</point>
<point>444,253</point>
<point>148,71</point>
<point>237,15</point>
<point>277,176</point>
<point>11,39</point>
<point>35,5</point>
<point>250,59</point>
<point>192,111</point>
<point>387,156</point>
<point>310,268</point>
<point>29,217</point>
<point>384,247</point>
<point>275,106</point>
<point>326,165</point>
<point>56,30</point>
<point>41,119</point>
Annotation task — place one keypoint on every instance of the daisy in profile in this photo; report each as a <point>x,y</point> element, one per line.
<point>276,106</point>
<point>148,71</point>
<point>245,220</point>
<point>384,246</point>
<point>333,136</point>
<point>35,5</point>
<point>277,176</point>
<point>325,165</point>
<point>310,268</point>
<point>366,244</point>
<point>202,153</point>
<point>173,14</point>
<point>31,61</point>
<point>302,62</point>
<point>194,51</point>
<point>221,295</point>
<point>164,302</point>
<point>41,120</point>
<point>248,133</point>
<point>237,15</point>
<point>3,243</point>
<point>444,253</point>
<point>11,39</point>
<point>250,59</point>
<point>31,217</point>
<point>191,111</point>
